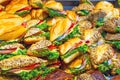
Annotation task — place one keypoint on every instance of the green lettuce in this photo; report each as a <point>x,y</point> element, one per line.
<point>39,4</point>
<point>117,71</point>
<point>115,43</point>
<point>17,52</point>
<point>119,2</point>
<point>22,13</point>
<point>42,71</point>
<point>118,29</point>
<point>74,33</point>
<point>83,12</point>
<point>104,67</point>
<point>100,22</point>
<point>50,54</point>
<point>9,42</point>
<point>54,13</point>
<point>82,49</point>
<point>42,25</point>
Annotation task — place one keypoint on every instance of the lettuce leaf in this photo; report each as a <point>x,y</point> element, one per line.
<point>22,13</point>
<point>50,54</point>
<point>117,71</point>
<point>83,12</point>
<point>104,67</point>
<point>74,33</point>
<point>118,29</point>
<point>43,70</point>
<point>55,13</point>
<point>42,25</point>
<point>17,52</point>
<point>115,43</point>
<point>83,49</point>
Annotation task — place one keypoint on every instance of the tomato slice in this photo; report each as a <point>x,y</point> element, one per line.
<point>32,66</point>
<point>1,9</point>
<point>7,51</point>
<point>25,8</point>
<point>40,21</point>
<point>71,26</point>
<point>51,47</point>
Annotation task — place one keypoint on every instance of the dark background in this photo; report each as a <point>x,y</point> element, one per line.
<point>68,4</point>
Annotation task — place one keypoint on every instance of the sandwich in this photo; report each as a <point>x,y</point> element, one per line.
<point>97,18</point>
<point>19,7</point>
<point>64,30</point>
<point>104,5</point>
<point>101,56</point>
<point>11,48</point>
<point>44,49</point>
<point>11,24</point>
<point>72,15</point>
<point>36,23</point>
<point>71,49</point>
<point>112,25</point>
<point>91,36</point>
<point>35,31</point>
<point>80,65</point>
<point>84,8</point>
<point>54,9</point>
<point>26,67</point>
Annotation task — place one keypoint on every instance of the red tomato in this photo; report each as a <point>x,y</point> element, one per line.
<point>25,8</point>
<point>32,66</point>
<point>40,21</point>
<point>51,47</point>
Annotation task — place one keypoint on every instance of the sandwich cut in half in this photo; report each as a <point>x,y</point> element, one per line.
<point>11,48</point>
<point>72,49</point>
<point>44,48</point>
<point>26,67</point>
<point>19,7</point>
<point>64,30</point>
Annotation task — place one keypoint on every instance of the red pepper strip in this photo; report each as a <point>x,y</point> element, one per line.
<point>25,8</point>
<point>7,51</point>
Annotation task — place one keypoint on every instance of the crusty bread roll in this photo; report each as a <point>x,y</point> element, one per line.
<point>13,34</point>
<point>9,22</point>
<point>72,15</point>
<point>104,5</point>
<point>53,21</point>
<point>59,28</point>
<point>67,45</point>
<point>39,14</point>
<point>54,5</point>
<point>16,5</point>
<point>32,40</point>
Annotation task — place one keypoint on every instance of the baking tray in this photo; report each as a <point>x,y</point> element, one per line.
<point>69,4</point>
